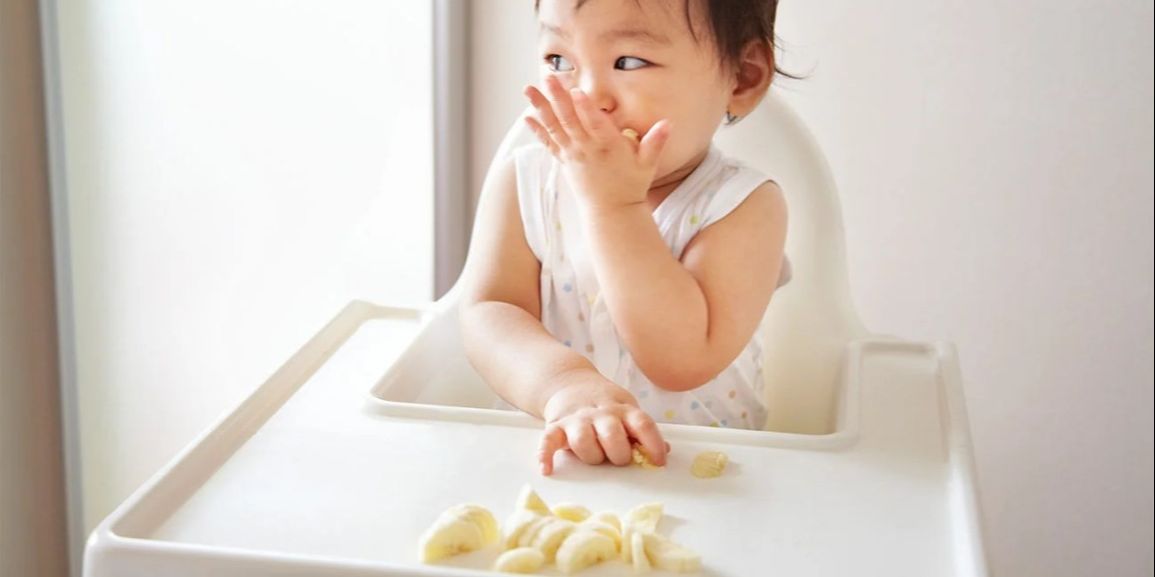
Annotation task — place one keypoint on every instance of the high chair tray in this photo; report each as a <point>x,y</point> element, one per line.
<point>334,468</point>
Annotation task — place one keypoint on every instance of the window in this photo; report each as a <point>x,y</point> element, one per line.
<point>234,173</point>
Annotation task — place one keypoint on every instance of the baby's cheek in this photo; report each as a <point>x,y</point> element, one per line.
<point>679,151</point>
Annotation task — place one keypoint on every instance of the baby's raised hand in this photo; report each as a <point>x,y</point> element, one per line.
<point>597,419</point>
<point>606,168</point>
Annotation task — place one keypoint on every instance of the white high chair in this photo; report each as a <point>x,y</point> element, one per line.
<point>337,464</point>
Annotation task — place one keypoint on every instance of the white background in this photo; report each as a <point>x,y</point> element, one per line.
<point>995,163</point>
<point>238,170</point>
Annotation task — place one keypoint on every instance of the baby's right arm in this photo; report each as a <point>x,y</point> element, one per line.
<point>507,344</point>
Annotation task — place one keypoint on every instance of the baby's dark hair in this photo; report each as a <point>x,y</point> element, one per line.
<point>733,24</point>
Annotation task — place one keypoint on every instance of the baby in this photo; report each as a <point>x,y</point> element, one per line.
<point>614,280</point>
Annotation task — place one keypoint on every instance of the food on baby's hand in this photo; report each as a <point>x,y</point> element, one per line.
<point>641,459</point>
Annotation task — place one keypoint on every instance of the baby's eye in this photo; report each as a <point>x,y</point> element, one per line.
<point>558,63</point>
<point>630,63</point>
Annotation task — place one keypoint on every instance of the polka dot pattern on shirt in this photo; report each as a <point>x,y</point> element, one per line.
<point>570,303</point>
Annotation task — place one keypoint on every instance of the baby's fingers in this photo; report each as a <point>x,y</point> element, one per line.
<point>595,120</point>
<point>653,142</point>
<point>583,441</point>
<point>552,441</point>
<point>542,134</point>
<point>546,117</point>
<point>614,440</point>
<point>563,109</point>
<point>641,427</point>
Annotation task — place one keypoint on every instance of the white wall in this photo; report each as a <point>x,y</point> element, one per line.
<point>502,61</point>
<point>237,171</point>
<point>995,161</point>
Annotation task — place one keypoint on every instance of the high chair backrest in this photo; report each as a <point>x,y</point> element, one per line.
<point>811,319</point>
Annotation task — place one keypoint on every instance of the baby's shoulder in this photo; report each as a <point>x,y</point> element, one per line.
<point>765,201</point>
<point>736,185</point>
<point>533,164</point>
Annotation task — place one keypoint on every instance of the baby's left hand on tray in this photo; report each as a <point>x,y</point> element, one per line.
<point>596,420</point>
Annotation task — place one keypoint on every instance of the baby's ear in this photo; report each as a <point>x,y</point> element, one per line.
<point>752,76</point>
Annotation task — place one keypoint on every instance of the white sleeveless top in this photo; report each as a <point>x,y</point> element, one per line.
<point>574,312</point>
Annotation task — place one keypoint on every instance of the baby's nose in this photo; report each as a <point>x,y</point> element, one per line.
<point>600,94</point>
<point>604,102</point>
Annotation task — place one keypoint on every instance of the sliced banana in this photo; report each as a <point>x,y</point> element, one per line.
<point>571,512</point>
<point>516,525</point>
<point>529,499</point>
<point>637,547</point>
<point>630,133</point>
<point>669,556</point>
<point>530,533</point>
<point>609,519</point>
<point>644,518</point>
<point>603,528</point>
<point>550,537</point>
<point>583,549</point>
<point>479,516</point>
<point>709,464</point>
<point>627,543</point>
<point>520,560</point>
<point>450,535</point>
<point>534,536</point>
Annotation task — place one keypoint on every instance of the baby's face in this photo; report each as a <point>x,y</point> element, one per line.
<point>638,61</point>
